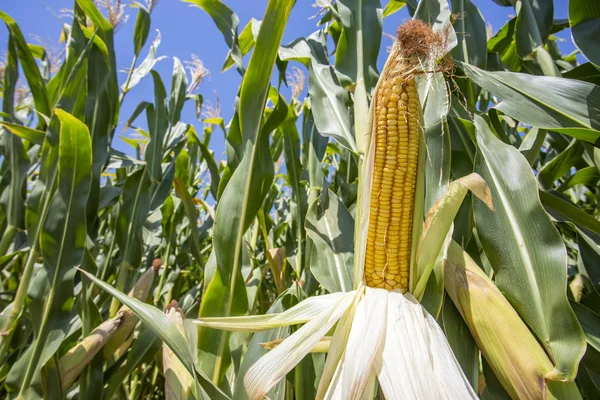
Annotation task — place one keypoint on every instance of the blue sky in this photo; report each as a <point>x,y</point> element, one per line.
<point>188,30</point>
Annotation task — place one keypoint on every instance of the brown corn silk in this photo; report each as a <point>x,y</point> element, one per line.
<point>395,143</point>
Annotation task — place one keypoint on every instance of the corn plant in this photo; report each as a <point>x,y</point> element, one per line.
<point>426,228</point>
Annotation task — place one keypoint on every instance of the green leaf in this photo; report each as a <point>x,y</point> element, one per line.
<point>434,238</point>
<point>17,160</point>
<point>247,40</point>
<point>590,322</point>
<point>532,143</point>
<point>472,43</point>
<point>142,28</point>
<point>534,22</point>
<point>291,146</point>
<point>559,104</point>
<point>133,211</point>
<point>589,253</point>
<point>328,223</point>
<point>563,210</point>
<point>588,176</point>
<point>65,89</point>
<point>358,46</point>
<point>532,275</point>
<point>313,150</point>
<point>227,22</point>
<point>251,181</point>
<point>178,92</point>
<point>102,105</point>
<point>392,7</point>
<point>505,44</point>
<point>142,350</point>
<point>461,341</point>
<point>62,245</point>
<point>33,135</point>
<point>584,72</point>
<point>213,346</point>
<point>560,165</point>
<point>213,168</point>
<point>136,112</point>
<point>584,18</point>
<point>167,331</point>
<point>158,124</point>
<point>29,66</point>
<point>329,101</point>
<point>256,351</point>
<point>146,65</point>
<point>192,214</point>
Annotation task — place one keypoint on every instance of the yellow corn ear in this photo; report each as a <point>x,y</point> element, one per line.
<point>396,147</point>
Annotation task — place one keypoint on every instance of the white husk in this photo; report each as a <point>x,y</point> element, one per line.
<point>267,371</point>
<point>388,334</point>
<point>366,340</point>
<point>299,314</point>
<point>416,361</point>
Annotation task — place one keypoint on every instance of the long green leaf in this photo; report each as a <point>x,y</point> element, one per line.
<point>584,18</point>
<point>563,210</point>
<point>526,251</point>
<point>16,157</point>
<point>62,244</point>
<point>251,181</point>
<point>328,223</point>
<point>472,43</point>
<point>359,42</point>
<point>534,22</point>
<point>461,341</point>
<point>158,124</point>
<point>33,135</point>
<point>559,104</point>
<point>29,66</point>
<point>142,28</point>
<point>329,101</point>
<point>167,331</point>
<point>102,106</point>
<point>560,165</point>
<point>590,322</point>
<point>227,22</point>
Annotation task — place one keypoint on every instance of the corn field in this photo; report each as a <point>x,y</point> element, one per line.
<point>427,228</point>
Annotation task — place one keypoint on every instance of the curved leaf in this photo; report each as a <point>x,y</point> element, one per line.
<point>526,251</point>
<point>559,104</point>
<point>329,224</point>
<point>329,101</point>
<point>167,331</point>
<point>584,18</point>
<point>358,45</point>
<point>29,66</point>
<point>252,179</point>
<point>227,22</point>
<point>534,23</point>
<point>33,135</point>
<point>142,28</point>
<point>62,244</point>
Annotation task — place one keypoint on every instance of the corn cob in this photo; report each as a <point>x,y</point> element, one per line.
<point>396,141</point>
